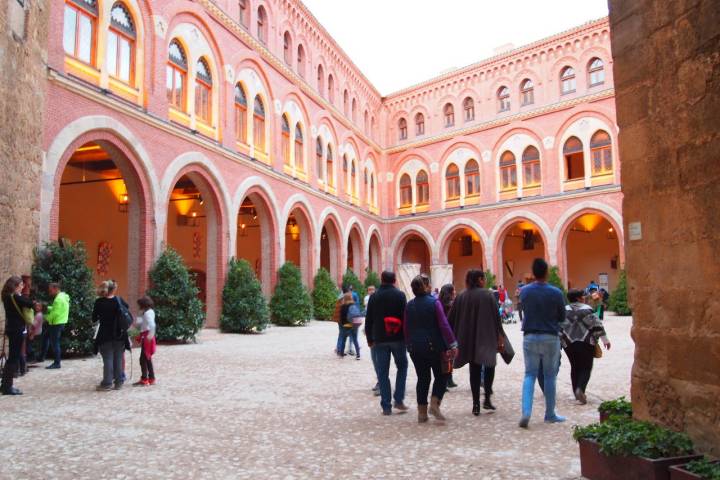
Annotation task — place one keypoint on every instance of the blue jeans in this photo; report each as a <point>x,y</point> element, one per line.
<point>51,337</point>
<point>381,358</point>
<point>539,348</point>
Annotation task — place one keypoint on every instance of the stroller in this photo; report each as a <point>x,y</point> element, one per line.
<point>507,315</point>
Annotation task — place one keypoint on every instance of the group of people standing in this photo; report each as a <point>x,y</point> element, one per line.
<point>25,319</point>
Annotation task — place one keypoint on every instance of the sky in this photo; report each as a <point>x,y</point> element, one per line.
<point>398,43</point>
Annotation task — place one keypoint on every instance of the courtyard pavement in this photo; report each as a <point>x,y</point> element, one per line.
<point>280,405</point>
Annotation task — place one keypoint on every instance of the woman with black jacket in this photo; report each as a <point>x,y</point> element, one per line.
<point>14,302</point>
<point>112,337</point>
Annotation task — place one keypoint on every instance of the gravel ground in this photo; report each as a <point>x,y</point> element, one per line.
<point>280,405</point>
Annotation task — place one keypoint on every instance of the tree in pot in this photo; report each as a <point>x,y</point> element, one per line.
<point>618,301</point>
<point>290,305</point>
<point>244,309</point>
<point>179,312</point>
<point>324,295</point>
<point>555,280</point>
<point>490,280</point>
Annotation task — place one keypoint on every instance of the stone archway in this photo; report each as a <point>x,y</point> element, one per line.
<point>256,234</point>
<point>519,243</point>
<point>355,255</point>
<point>590,251</point>
<point>375,253</point>
<point>462,248</point>
<point>331,248</point>
<point>299,241</point>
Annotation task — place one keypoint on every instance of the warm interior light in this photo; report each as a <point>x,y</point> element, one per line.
<point>610,230</point>
<point>194,214</point>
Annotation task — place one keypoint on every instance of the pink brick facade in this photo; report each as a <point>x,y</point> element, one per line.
<point>327,101</point>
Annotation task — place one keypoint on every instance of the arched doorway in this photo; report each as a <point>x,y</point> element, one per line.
<point>256,237</point>
<point>298,242</point>
<point>414,249</point>
<point>592,251</point>
<point>520,244</point>
<point>462,249</point>
<point>101,202</point>
<point>375,254</point>
<point>330,248</point>
<point>355,257</point>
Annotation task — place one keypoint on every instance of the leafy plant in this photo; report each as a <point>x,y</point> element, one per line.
<point>626,437</point>
<point>555,280</point>
<point>704,468</point>
<point>372,278</point>
<point>178,310</point>
<point>290,305</point>
<point>618,301</point>
<point>244,307</point>
<point>619,406</point>
<point>66,263</point>
<point>352,280</point>
<point>324,295</point>
<point>490,280</point>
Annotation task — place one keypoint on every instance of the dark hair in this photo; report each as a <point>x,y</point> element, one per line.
<point>539,268</point>
<point>418,286</point>
<point>345,288</point>
<point>387,277</point>
<point>473,277</point>
<point>145,303</point>
<point>10,285</point>
<point>574,295</point>
<point>54,285</point>
<point>446,293</point>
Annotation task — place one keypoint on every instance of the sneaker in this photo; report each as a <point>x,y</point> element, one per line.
<point>103,388</point>
<point>524,421</point>
<point>357,357</point>
<point>151,381</point>
<point>387,413</point>
<point>400,407</point>
<point>141,383</point>
<point>12,391</point>
<point>555,419</point>
<point>52,366</point>
<point>117,386</point>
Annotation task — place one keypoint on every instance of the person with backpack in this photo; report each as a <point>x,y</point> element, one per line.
<point>348,313</point>
<point>111,313</point>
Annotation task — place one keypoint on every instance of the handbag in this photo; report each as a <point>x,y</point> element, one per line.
<point>598,351</point>
<point>508,352</point>
<point>124,317</point>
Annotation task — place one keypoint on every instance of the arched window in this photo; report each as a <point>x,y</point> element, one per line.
<point>567,80</point>
<point>176,75</point>
<point>469,109</point>
<point>472,178</point>
<point>262,25</point>
<point>345,165</point>
<point>596,72</point>
<point>423,188</point>
<point>531,167</point>
<point>121,44</point>
<point>79,29</point>
<point>371,200</point>
<point>244,13</point>
<point>354,110</point>
<point>285,142</point>
<point>452,182</point>
<point>503,97</point>
<point>240,114</point>
<point>449,114</point>
<point>319,158</point>
<point>287,48</point>
<point>402,129</point>
<point>527,92</point>
<point>346,103</point>
<point>331,89</point>
<point>203,91</point>
<point>299,151</point>
<point>321,80</point>
<point>329,169</point>
<point>574,159</point>
<point>419,124</point>
<point>373,126</point>
<point>405,191</point>
<point>601,153</point>
<point>508,173</point>
<point>366,122</point>
<point>259,124</point>
<point>353,180</point>
<point>301,61</point>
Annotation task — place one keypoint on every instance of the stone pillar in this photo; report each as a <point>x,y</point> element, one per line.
<point>667,72</point>
<point>440,275</point>
<point>405,273</point>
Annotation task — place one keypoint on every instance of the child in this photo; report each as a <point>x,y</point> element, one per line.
<point>35,331</point>
<point>146,338</point>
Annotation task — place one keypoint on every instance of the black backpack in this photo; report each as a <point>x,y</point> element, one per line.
<point>124,318</point>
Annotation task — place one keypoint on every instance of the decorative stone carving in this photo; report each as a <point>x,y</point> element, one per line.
<point>229,74</point>
<point>486,155</point>
<point>161,26</point>
<point>441,274</point>
<point>548,142</point>
<point>406,272</point>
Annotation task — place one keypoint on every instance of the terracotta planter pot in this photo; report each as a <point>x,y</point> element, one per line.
<point>677,472</point>
<point>595,465</point>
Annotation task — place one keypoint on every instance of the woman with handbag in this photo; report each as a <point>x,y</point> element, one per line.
<point>582,333</point>
<point>112,337</point>
<point>431,344</point>
<point>18,310</point>
<point>475,318</point>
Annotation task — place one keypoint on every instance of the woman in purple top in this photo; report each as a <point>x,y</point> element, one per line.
<point>429,339</point>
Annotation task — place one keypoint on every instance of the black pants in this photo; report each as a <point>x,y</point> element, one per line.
<point>581,356</point>
<point>146,366</point>
<point>424,365</point>
<point>481,374</point>
<point>13,360</point>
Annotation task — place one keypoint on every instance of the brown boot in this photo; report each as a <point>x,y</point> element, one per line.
<point>422,413</point>
<point>434,409</point>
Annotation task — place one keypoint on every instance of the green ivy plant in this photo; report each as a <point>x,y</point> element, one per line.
<point>324,295</point>
<point>626,437</point>
<point>619,406</point>
<point>704,468</point>
<point>244,308</point>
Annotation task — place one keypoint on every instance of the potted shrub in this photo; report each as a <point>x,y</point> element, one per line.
<point>700,469</point>
<point>619,406</point>
<point>291,304</point>
<point>624,449</point>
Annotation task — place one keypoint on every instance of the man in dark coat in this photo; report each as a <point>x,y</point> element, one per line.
<point>475,318</point>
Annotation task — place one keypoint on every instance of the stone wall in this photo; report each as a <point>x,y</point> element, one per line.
<point>23,40</point>
<point>667,79</point>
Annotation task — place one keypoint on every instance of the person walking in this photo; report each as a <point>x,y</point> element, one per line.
<point>518,303</point>
<point>146,324</point>
<point>57,316</point>
<point>475,319</point>
<point>544,312</point>
<point>112,338</point>
<point>348,312</point>
<point>14,304</point>
<point>447,297</point>
<point>583,330</point>
<point>431,342</point>
<point>384,333</point>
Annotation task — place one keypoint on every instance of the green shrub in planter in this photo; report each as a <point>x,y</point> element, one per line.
<point>704,468</point>
<point>490,280</point>
<point>618,301</point>
<point>555,280</point>
<point>372,278</point>
<point>244,307</point>
<point>351,279</point>
<point>290,304</point>
<point>66,263</point>
<point>324,295</point>
<point>619,406</point>
<point>179,312</point>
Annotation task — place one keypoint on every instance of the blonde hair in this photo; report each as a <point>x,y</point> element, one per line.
<point>106,288</point>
